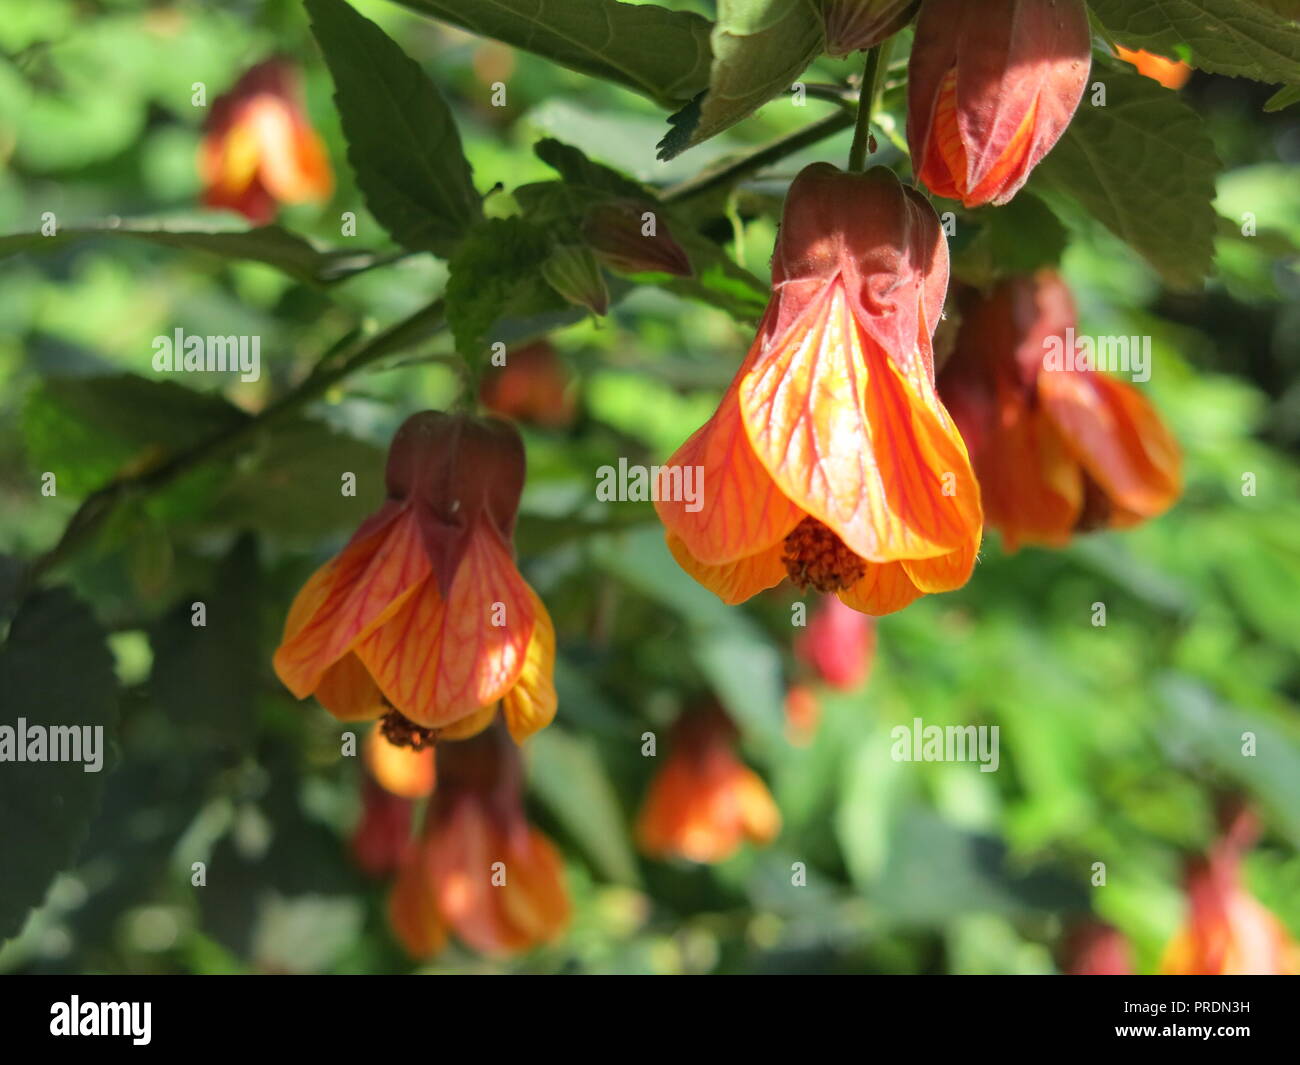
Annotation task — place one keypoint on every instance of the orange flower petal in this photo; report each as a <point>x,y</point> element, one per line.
<point>1117,436</point>
<point>348,691</point>
<point>1030,482</point>
<point>759,816</point>
<point>883,589</point>
<point>534,900</point>
<point>732,582</point>
<point>530,704</point>
<point>438,664</point>
<point>467,847</point>
<point>469,726</point>
<point>742,511</point>
<point>347,598</point>
<point>857,444</point>
<point>412,907</point>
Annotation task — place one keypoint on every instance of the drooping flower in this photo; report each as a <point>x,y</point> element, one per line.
<point>1171,73</point>
<point>423,615</point>
<point>704,802</point>
<point>259,149</point>
<point>856,25</point>
<point>382,835</point>
<point>839,644</point>
<point>1096,949</point>
<point>991,87</point>
<point>1228,932</point>
<point>803,713</point>
<point>479,870</point>
<point>831,458</point>
<point>1057,450</point>
<point>532,387</point>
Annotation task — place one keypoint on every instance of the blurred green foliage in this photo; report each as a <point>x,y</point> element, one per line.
<point>1115,739</point>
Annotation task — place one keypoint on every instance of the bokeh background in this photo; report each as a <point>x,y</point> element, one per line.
<point>1115,740</point>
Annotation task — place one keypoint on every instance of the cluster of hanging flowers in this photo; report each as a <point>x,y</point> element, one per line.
<point>836,458</point>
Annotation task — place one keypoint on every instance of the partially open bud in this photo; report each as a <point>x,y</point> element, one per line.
<point>991,87</point>
<point>632,237</point>
<point>573,272</point>
<point>856,25</point>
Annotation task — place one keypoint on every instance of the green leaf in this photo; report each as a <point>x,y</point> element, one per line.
<point>402,139</point>
<point>569,776</point>
<point>1216,734</point>
<point>55,670</point>
<point>759,48</point>
<point>87,430</point>
<point>497,272</point>
<point>576,169</point>
<point>1025,235</point>
<point>740,663</point>
<point>937,871</point>
<point>1283,98</point>
<point>206,676</point>
<point>270,245</point>
<point>292,484</point>
<point>659,53</point>
<point>1244,38</point>
<point>1144,166</point>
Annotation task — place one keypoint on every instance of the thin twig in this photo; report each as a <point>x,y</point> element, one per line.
<point>94,510</point>
<point>759,158</point>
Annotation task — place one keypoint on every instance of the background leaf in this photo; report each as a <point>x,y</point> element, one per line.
<point>1257,39</point>
<point>759,48</point>
<point>54,670</point>
<point>1144,166</point>
<point>402,139</point>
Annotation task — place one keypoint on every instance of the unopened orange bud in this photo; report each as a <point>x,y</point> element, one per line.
<point>991,87</point>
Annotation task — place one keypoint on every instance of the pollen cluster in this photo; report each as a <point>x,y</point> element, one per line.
<point>815,557</point>
<point>401,731</point>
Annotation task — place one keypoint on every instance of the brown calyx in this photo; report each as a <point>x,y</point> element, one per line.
<point>815,557</point>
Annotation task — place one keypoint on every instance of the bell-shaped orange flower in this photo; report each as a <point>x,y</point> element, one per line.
<point>532,387</point>
<point>830,458</point>
<point>991,87</point>
<point>1171,73</point>
<point>704,802</point>
<point>259,148</point>
<point>838,644</point>
<point>423,615</point>
<point>1056,450</point>
<point>479,869</point>
<point>1228,933</point>
<point>855,25</point>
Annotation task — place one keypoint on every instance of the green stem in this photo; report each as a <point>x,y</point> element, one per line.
<point>96,507</point>
<point>872,79</point>
<point>770,153</point>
